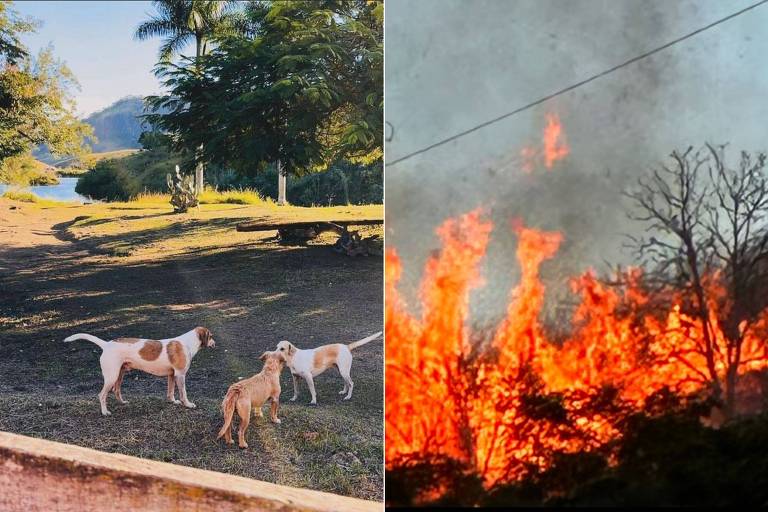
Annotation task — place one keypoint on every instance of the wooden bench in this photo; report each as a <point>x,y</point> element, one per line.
<point>349,242</point>
<point>38,475</point>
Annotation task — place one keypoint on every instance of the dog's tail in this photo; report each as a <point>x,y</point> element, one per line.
<point>228,408</point>
<point>363,341</point>
<point>93,339</point>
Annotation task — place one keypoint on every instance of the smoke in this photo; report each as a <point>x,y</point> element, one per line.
<point>452,64</point>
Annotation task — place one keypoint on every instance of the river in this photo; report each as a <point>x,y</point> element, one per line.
<point>64,191</point>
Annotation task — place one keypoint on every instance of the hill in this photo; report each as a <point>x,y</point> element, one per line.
<point>116,127</point>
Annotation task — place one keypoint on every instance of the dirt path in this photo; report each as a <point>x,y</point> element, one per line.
<point>250,292</point>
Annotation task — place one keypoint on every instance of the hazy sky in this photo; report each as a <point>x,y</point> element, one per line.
<point>95,39</point>
<point>451,64</point>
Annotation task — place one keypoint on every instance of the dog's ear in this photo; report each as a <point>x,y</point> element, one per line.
<point>204,335</point>
<point>264,356</point>
<point>291,349</point>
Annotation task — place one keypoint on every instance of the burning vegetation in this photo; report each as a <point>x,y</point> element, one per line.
<point>683,333</point>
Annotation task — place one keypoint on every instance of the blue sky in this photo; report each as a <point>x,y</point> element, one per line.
<point>95,39</point>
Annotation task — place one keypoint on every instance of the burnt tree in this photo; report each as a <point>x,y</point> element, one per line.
<point>706,235</point>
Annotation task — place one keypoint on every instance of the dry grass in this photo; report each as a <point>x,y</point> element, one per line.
<point>211,196</point>
<point>26,196</point>
<point>90,160</point>
<point>245,196</point>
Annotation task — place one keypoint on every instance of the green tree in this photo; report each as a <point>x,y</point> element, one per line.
<point>304,88</point>
<point>36,102</point>
<point>11,26</point>
<point>179,22</point>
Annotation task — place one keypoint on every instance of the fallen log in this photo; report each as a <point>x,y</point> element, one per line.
<point>325,225</point>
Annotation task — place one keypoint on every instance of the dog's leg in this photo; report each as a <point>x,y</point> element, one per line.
<point>344,389</point>
<point>244,411</point>
<point>110,369</point>
<point>170,394</point>
<point>295,387</point>
<point>258,412</point>
<point>228,436</point>
<point>344,367</point>
<point>311,384</point>
<point>181,383</point>
<point>116,388</point>
<point>273,409</point>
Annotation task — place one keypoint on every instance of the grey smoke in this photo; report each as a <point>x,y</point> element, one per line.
<point>451,64</point>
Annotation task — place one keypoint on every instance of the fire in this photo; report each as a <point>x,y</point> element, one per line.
<point>554,146</point>
<point>507,404</point>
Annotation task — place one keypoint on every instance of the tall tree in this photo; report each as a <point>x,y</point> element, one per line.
<point>707,234</point>
<point>304,88</point>
<point>179,22</point>
<point>11,26</point>
<point>36,102</point>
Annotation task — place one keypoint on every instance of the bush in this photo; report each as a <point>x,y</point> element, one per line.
<point>108,182</point>
<point>122,179</point>
<point>21,195</point>
<point>343,183</point>
<point>144,172</point>
<point>667,460</point>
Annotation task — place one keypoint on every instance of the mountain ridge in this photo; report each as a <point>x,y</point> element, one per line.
<point>117,126</point>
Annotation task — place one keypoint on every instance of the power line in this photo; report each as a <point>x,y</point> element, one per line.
<point>574,86</point>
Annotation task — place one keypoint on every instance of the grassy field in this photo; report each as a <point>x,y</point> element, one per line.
<point>136,269</point>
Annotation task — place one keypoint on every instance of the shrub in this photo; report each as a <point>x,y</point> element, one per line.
<point>21,195</point>
<point>122,179</point>
<point>108,181</point>
<point>343,183</point>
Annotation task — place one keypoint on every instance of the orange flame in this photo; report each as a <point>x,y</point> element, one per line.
<point>554,147</point>
<point>508,405</point>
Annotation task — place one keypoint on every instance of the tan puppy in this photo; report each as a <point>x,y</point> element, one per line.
<point>169,357</point>
<point>311,363</point>
<point>253,392</point>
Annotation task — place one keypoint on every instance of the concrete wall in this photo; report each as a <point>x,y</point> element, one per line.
<point>39,475</point>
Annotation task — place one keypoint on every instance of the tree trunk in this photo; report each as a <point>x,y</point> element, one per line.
<point>703,312</point>
<point>199,167</point>
<point>281,185</point>
<point>344,187</point>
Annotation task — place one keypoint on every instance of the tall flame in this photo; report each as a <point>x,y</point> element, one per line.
<point>553,146</point>
<point>508,405</point>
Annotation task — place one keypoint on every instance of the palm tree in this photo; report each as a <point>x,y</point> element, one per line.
<point>179,22</point>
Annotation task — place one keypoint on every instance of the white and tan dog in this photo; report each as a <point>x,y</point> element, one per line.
<point>311,363</point>
<point>169,357</point>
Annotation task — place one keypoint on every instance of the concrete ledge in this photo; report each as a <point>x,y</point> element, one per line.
<point>39,475</point>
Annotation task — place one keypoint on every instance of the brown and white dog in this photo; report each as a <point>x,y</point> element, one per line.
<point>311,363</point>
<point>253,392</point>
<point>169,357</point>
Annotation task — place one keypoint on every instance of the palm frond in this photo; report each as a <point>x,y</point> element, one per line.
<point>173,45</point>
<point>154,27</point>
